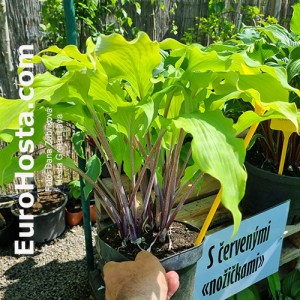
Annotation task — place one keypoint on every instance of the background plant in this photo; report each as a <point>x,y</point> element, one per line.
<point>287,288</point>
<point>272,44</point>
<point>92,17</point>
<point>74,187</point>
<point>223,23</point>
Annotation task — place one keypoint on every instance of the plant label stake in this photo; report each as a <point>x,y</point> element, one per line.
<point>287,128</point>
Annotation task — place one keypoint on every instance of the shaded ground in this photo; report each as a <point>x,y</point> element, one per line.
<point>57,270</point>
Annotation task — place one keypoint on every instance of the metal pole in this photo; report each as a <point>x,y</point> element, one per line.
<point>69,11</point>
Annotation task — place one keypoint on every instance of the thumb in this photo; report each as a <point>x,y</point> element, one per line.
<point>173,283</point>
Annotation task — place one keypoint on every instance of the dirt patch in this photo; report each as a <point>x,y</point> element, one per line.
<point>179,238</point>
<point>44,203</point>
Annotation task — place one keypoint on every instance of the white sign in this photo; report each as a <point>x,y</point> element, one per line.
<point>228,266</point>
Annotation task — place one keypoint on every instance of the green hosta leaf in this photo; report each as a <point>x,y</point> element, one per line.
<point>218,101</point>
<point>7,152</point>
<point>169,43</point>
<point>279,110</point>
<point>7,135</point>
<point>288,110</point>
<point>77,114</point>
<point>295,290</point>
<point>10,111</point>
<point>295,26</point>
<point>262,51</point>
<point>137,161</point>
<point>274,284</point>
<point>293,66</point>
<point>174,103</point>
<point>216,152</point>
<point>9,165</point>
<point>116,143</point>
<point>50,88</point>
<point>8,172</point>
<point>242,63</point>
<point>136,119</point>
<point>226,83</point>
<point>69,57</point>
<point>250,293</point>
<point>190,173</point>
<point>248,34</point>
<point>253,140</point>
<point>132,61</point>
<point>259,82</point>
<point>204,61</point>
<point>78,87</point>
<point>198,81</point>
<point>93,170</point>
<point>75,189</point>
<point>289,281</point>
<point>277,33</point>
<point>66,161</point>
<point>77,140</point>
<point>280,75</point>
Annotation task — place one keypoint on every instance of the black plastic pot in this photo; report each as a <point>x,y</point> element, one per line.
<point>48,226</point>
<point>266,189</point>
<point>184,263</point>
<point>10,232</point>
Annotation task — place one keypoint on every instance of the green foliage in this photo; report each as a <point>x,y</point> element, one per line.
<point>75,189</point>
<point>154,109</point>
<point>92,18</point>
<point>273,45</point>
<point>215,28</point>
<point>287,288</point>
<point>250,293</point>
<point>219,25</point>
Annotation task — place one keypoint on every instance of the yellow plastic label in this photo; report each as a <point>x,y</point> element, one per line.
<point>283,125</point>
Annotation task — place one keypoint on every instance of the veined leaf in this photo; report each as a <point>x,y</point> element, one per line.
<point>68,57</point>
<point>274,92</point>
<point>262,51</point>
<point>77,140</point>
<point>93,170</point>
<point>169,44</point>
<point>295,26</point>
<point>279,110</point>
<point>10,111</point>
<point>131,61</point>
<point>204,61</point>
<point>216,152</point>
<point>293,66</point>
<point>135,119</point>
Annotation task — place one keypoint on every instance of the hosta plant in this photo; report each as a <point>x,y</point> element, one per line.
<point>274,45</point>
<point>153,111</point>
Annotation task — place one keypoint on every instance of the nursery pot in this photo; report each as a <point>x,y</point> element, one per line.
<point>93,211</point>
<point>47,226</point>
<point>74,217</point>
<point>184,263</point>
<point>266,189</point>
<point>10,232</point>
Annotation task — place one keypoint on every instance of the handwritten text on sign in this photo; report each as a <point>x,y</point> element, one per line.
<point>228,266</point>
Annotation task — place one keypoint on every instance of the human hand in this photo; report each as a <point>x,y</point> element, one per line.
<point>142,279</point>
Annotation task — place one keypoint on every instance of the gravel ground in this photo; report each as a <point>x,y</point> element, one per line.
<point>57,270</point>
